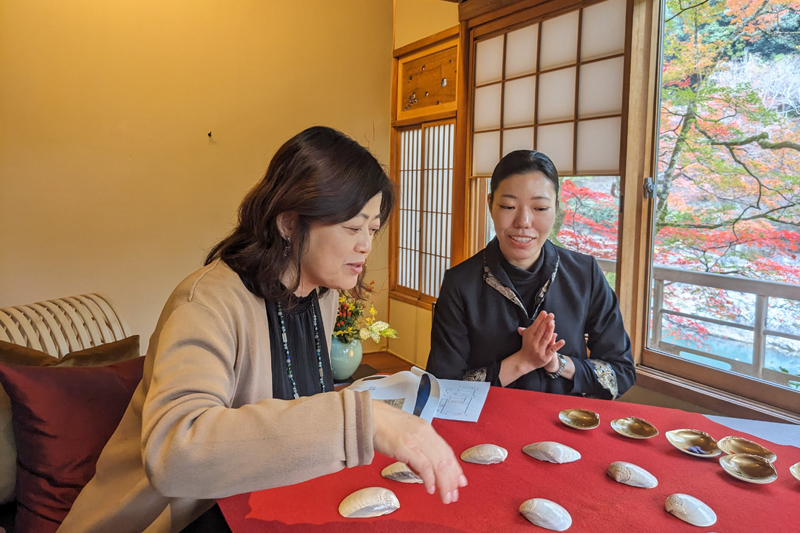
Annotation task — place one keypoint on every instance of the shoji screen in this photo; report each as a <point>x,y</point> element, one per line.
<point>425,207</point>
<point>554,86</point>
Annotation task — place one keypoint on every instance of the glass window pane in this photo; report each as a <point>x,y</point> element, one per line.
<point>485,152</point>
<point>559,41</point>
<point>557,95</point>
<point>517,139</point>
<point>784,315</point>
<point>489,60</point>
<point>600,90</point>
<point>521,46</point>
<point>588,219</point>
<point>519,102</point>
<point>556,142</point>
<point>783,357</point>
<point>603,30</point>
<point>598,145</point>
<point>487,107</point>
<point>725,214</point>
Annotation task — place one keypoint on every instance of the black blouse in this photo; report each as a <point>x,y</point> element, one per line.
<point>298,316</point>
<point>479,309</point>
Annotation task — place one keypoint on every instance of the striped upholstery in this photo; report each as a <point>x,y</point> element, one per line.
<point>63,325</point>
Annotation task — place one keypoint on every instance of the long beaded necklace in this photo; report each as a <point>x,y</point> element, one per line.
<point>289,357</point>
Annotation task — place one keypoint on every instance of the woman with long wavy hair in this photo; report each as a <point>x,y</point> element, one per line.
<point>237,393</point>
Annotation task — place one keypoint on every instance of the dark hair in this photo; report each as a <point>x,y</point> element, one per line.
<point>321,175</point>
<point>523,162</point>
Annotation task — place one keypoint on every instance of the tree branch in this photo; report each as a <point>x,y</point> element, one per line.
<point>764,215</point>
<point>684,9</point>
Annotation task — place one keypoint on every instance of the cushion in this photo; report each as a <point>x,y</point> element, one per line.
<point>102,355</point>
<point>62,418</point>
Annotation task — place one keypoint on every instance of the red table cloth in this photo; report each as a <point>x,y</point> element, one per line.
<point>513,419</point>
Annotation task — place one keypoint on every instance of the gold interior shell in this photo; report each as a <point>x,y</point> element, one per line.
<point>579,418</point>
<point>694,442</point>
<point>750,468</point>
<point>634,428</point>
<point>732,445</point>
<point>795,471</point>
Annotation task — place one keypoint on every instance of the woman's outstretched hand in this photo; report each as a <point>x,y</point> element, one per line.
<point>413,441</point>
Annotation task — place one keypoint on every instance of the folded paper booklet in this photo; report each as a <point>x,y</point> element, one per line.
<point>421,394</point>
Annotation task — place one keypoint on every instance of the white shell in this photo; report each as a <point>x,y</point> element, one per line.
<point>400,472</point>
<point>484,454</point>
<point>372,501</point>
<point>630,474</point>
<point>552,452</point>
<point>691,510</point>
<point>546,514</point>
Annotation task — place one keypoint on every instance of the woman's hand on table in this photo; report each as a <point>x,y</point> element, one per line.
<point>539,349</point>
<point>413,441</point>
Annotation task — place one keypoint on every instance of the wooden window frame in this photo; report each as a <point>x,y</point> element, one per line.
<point>437,41</point>
<point>724,392</point>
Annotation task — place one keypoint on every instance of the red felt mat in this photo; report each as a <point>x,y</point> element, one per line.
<point>512,419</point>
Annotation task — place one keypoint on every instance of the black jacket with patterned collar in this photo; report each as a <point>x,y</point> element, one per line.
<point>478,311</point>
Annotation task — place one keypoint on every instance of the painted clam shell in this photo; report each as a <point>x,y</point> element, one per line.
<point>546,514</point>
<point>484,454</point>
<point>694,442</point>
<point>552,452</point>
<point>400,472</point>
<point>691,510</point>
<point>630,474</point>
<point>372,501</point>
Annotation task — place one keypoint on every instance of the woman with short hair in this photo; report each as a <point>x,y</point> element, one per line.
<point>522,312</point>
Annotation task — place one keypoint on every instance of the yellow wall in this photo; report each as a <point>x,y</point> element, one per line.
<point>413,325</point>
<point>417,19</point>
<point>108,180</point>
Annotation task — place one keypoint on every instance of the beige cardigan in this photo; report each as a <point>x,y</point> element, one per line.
<point>202,424</point>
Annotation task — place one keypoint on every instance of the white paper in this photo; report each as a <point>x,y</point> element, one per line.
<point>461,400</point>
<point>401,390</point>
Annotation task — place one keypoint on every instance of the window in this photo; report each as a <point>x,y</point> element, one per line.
<point>556,85</point>
<point>425,173</point>
<point>725,291</point>
<point>423,160</point>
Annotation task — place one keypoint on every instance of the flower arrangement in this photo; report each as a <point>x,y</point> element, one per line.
<point>352,324</point>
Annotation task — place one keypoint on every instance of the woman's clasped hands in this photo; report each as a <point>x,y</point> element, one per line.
<point>539,349</point>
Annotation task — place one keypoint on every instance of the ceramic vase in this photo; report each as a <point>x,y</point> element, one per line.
<point>345,358</point>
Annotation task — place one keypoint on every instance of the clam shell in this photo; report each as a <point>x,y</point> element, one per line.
<point>372,501</point>
<point>552,452</point>
<point>400,472</point>
<point>691,510</point>
<point>634,427</point>
<point>694,442</point>
<point>546,514</point>
<point>750,468</point>
<point>741,445</point>
<point>795,471</point>
<point>579,418</point>
<point>630,474</point>
<point>484,454</point>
